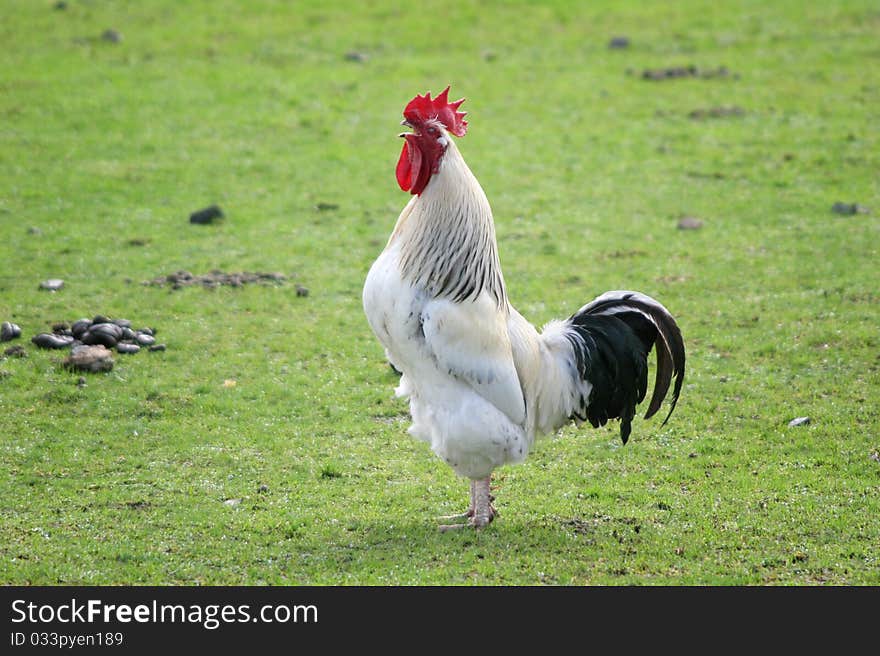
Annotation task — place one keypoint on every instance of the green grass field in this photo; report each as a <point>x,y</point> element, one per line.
<point>265,445</point>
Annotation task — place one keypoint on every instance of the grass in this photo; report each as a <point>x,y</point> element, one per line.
<point>265,445</point>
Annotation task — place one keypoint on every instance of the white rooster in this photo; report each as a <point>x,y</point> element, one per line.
<point>482,382</point>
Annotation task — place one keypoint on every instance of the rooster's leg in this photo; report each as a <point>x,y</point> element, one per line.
<point>481,511</point>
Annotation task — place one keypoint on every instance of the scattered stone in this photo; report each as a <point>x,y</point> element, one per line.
<point>156,347</point>
<point>232,503</point>
<point>324,207</point>
<point>113,36</point>
<point>618,42</point>
<point>848,209</point>
<point>52,341</point>
<point>354,56</point>
<point>717,112</point>
<point>690,223</point>
<point>34,230</point>
<point>127,347</point>
<point>145,340</point>
<point>216,279</point>
<point>9,331</point>
<point>263,489</point>
<point>673,72</point>
<point>81,382</point>
<point>799,421</point>
<point>302,291</point>
<point>52,284</point>
<point>490,56</point>
<point>875,454</point>
<point>16,351</point>
<point>92,359</point>
<point>206,215</point>
<point>60,5</point>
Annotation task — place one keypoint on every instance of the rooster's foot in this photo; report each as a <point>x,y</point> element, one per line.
<point>481,512</point>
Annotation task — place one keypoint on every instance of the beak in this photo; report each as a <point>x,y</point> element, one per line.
<point>406,123</point>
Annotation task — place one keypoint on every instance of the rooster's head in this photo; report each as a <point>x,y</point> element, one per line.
<point>432,121</point>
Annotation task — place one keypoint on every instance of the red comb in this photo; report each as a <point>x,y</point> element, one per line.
<point>423,108</point>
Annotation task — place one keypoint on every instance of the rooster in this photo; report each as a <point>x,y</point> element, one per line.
<point>482,382</point>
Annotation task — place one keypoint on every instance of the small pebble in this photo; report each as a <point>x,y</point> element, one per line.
<point>302,291</point>
<point>232,503</point>
<point>618,42</point>
<point>848,209</point>
<point>52,284</point>
<point>157,347</point>
<point>9,331</point>
<point>113,36</point>
<point>125,347</point>
<point>690,223</point>
<point>206,215</point>
<point>799,421</point>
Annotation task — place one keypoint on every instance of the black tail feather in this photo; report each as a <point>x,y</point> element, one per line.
<point>612,337</point>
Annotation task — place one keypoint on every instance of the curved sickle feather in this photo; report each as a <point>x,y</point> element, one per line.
<point>669,344</point>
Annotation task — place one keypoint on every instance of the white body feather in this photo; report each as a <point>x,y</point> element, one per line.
<point>482,382</point>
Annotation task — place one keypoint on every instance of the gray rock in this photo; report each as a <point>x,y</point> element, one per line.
<point>799,421</point>
<point>107,334</point>
<point>145,340</point>
<point>9,331</point>
<point>690,223</point>
<point>206,215</point>
<point>52,284</point>
<point>52,341</point>
<point>93,359</point>
<point>80,326</point>
<point>848,209</point>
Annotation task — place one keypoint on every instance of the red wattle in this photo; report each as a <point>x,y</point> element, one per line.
<point>411,175</point>
<point>404,169</point>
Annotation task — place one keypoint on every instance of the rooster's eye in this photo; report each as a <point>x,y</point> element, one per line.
<point>432,130</point>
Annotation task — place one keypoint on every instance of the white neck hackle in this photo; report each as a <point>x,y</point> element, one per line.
<point>447,236</point>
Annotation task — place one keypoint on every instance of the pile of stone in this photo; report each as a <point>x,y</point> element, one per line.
<point>100,330</point>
